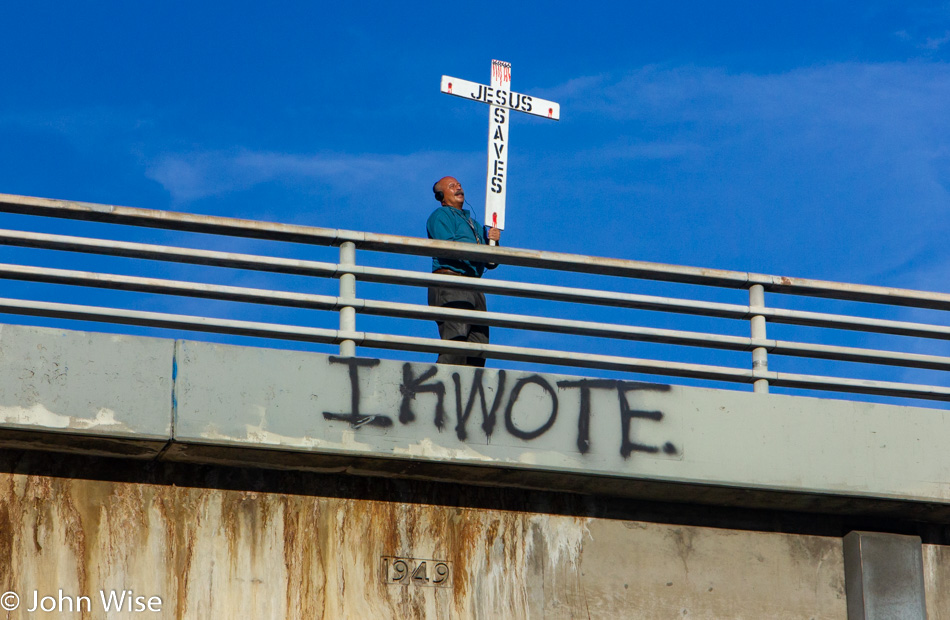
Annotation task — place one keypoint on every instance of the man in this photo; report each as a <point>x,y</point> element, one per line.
<point>451,222</point>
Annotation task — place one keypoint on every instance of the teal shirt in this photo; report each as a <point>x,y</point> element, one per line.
<point>451,224</point>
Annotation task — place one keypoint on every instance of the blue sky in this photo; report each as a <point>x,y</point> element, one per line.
<point>807,140</point>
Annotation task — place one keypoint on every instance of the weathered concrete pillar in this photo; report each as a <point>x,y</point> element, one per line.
<point>884,577</point>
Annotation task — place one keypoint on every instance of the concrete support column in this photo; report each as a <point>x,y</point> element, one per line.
<point>347,293</point>
<point>884,577</point>
<point>760,359</point>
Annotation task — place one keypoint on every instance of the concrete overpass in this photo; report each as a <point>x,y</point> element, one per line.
<point>204,480</point>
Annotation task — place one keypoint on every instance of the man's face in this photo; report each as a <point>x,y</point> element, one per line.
<point>454,195</point>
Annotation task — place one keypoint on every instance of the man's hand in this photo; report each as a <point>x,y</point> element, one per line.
<point>494,234</point>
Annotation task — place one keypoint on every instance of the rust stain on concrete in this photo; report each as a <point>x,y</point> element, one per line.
<point>213,553</point>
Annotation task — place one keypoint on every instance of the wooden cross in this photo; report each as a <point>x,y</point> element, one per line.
<point>501,99</point>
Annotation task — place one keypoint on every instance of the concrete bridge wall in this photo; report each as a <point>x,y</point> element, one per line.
<point>186,471</point>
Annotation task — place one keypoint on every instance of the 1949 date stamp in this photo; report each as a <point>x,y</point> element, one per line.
<point>415,572</point>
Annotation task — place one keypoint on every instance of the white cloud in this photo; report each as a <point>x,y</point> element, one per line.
<point>935,43</point>
<point>658,150</point>
<point>844,91</point>
<point>836,171</point>
<point>572,89</point>
<point>195,175</point>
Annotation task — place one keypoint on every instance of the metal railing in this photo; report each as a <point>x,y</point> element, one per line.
<point>346,303</point>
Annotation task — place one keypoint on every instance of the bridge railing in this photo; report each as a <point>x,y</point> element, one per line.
<point>348,271</point>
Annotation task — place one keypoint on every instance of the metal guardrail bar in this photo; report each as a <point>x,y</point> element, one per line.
<point>167,321</point>
<point>172,254</point>
<point>855,354</point>
<point>856,323</point>
<point>860,386</point>
<point>884,388</point>
<point>347,304</point>
<point>424,247</point>
<point>498,287</point>
<point>139,284</point>
<point>381,308</point>
<point>495,319</point>
<point>385,341</point>
<point>380,275</point>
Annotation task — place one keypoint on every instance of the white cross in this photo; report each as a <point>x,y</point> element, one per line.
<point>501,99</point>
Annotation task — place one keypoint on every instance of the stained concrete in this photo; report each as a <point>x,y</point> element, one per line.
<point>213,553</point>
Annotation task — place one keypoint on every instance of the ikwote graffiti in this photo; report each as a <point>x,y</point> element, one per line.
<point>502,400</point>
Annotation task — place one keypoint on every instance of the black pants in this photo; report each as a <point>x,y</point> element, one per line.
<point>455,330</point>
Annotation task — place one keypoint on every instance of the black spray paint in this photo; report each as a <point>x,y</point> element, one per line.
<point>583,417</point>
<point>488,416</point>
<point>628,446</point>
<point>413,385</point>
<point>354,417</point>
<point>515,393</point>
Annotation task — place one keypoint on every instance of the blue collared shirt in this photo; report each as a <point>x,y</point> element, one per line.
<point>451,224</point>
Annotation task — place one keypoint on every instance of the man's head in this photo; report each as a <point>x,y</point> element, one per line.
<point>452,193</point>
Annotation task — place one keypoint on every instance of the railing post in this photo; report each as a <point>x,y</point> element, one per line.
<point>347,294</point>
<point>760,359</point>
